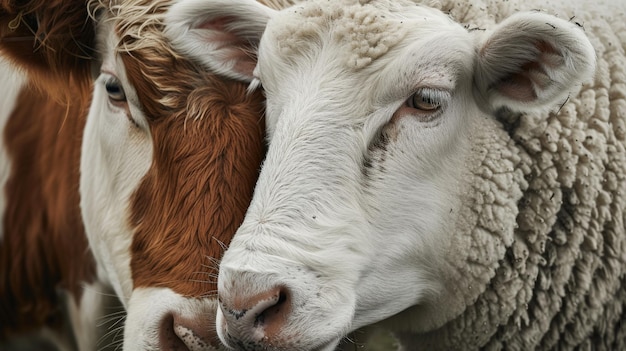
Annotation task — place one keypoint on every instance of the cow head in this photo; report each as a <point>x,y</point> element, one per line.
<point>169,158</point>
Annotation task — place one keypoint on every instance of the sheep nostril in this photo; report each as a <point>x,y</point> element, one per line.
<point>268,316</point>
<point>259,316</point>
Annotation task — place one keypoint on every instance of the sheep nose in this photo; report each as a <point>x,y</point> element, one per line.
<point>255,318</point>
<point>181,334</point>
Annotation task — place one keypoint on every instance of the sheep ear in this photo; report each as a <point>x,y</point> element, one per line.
<point>223,35</point>
<point>532,61</point>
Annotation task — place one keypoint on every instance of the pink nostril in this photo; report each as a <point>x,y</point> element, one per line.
<point>257,317</point>
<point>273,313</point>
<point>182,334</point>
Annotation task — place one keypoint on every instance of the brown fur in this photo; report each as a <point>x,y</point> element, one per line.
<point>51,39</point>
<point>208,146</point>
<point>44,247</point>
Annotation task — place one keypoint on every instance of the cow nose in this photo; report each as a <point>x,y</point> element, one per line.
<point>255,318</point>
<point>181,334</point>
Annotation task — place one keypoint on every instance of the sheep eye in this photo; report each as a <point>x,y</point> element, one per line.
<point>115,91</point>
<point>424,101</point>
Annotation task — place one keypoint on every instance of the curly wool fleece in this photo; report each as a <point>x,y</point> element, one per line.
<point>544,215</point>
<point>369,36</point>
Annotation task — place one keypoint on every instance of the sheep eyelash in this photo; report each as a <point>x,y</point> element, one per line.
<point>433,95</point>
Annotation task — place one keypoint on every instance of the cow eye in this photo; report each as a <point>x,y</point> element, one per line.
<point>426,100</point>
<point>115,91</point>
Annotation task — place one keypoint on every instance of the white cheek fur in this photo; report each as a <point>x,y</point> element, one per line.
<point>7,103</point>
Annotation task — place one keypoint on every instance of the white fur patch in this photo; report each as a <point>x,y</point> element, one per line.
<point>116,154</point>
<point>13,83</point>
<point>149,306</point>
<point>92,315</point>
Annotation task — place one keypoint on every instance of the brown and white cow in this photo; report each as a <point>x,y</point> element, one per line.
<point>125,167</point>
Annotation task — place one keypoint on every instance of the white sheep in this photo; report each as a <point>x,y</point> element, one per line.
<point>459,180</point>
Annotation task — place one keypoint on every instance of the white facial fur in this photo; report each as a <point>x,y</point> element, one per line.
<point>342,195</point>
<point>116,154</point>
<point>149,306</point>
<point>7,102</point>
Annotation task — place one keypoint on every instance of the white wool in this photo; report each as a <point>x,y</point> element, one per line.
<point>557,276</point>
<point>367,34</point>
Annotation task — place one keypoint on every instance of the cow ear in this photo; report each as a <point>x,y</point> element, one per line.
<point>532,61</point>
<point>221,34</point>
